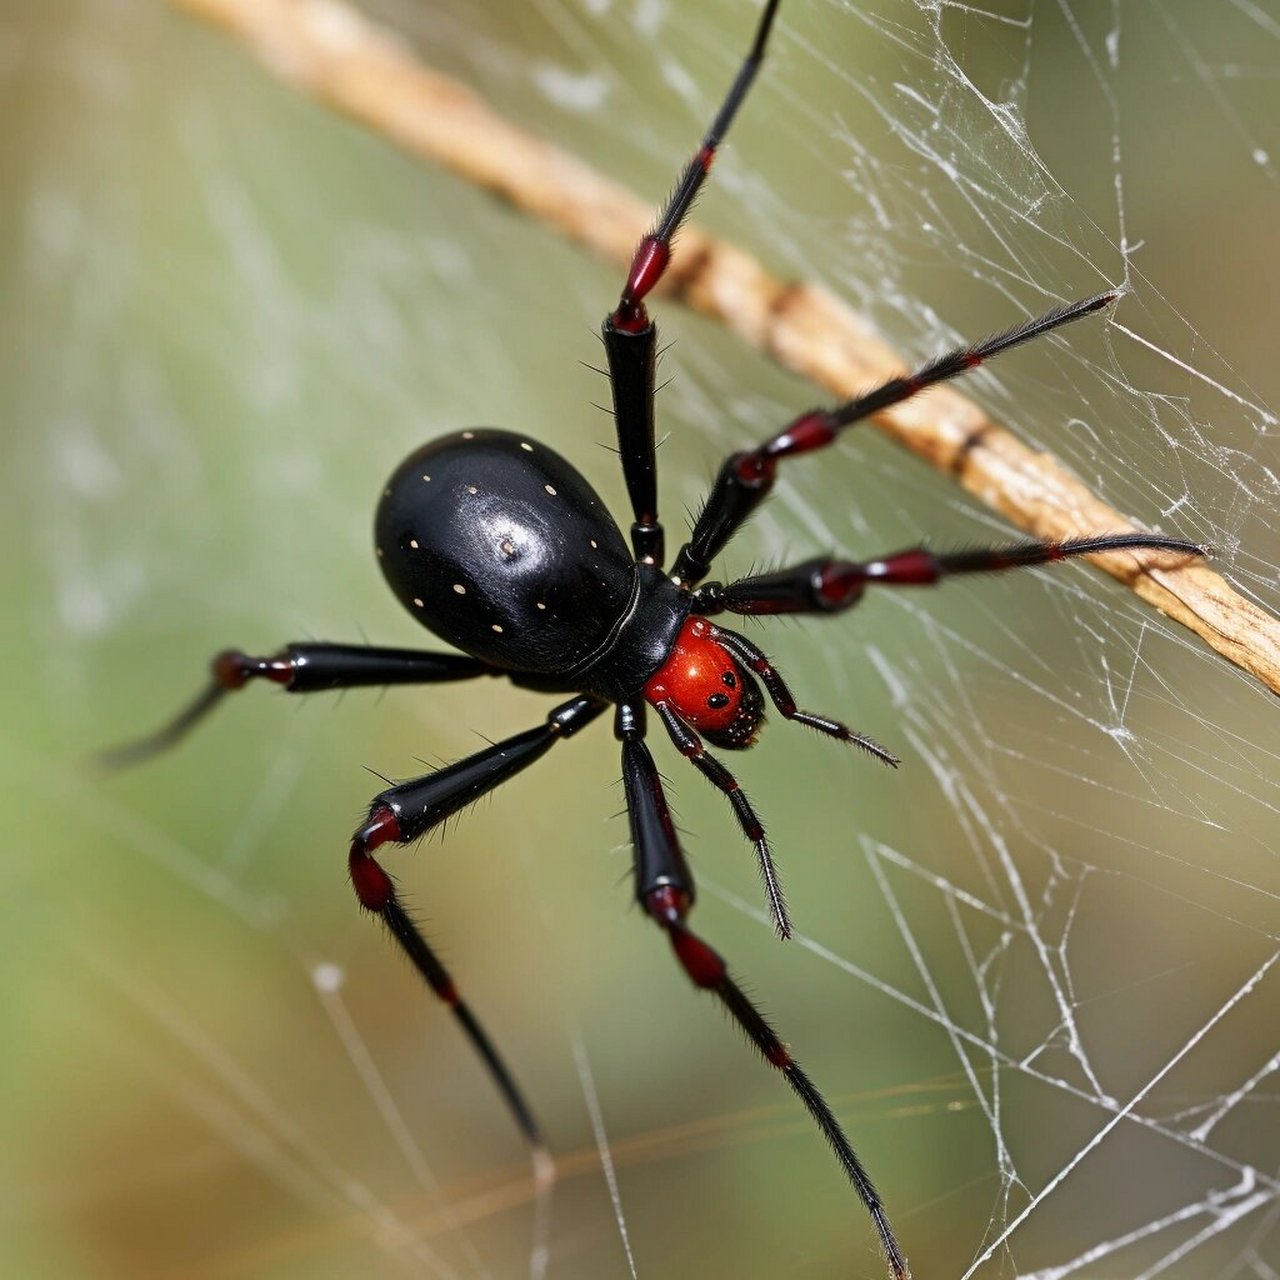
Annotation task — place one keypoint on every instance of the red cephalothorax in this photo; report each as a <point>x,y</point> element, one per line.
<point>703,683</point>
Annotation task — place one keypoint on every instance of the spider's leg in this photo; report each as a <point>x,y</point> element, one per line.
<point>754,660</point>
<point>405,812</point>
<point>829,586</point>
<point>665,889</point>
<point>745,479</point>
<point>653,253</point>
<point>690,746</point>
<point>298,668</point>
<point>630,338</point>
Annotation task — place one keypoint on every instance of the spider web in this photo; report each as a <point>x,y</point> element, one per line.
<point>1036,966</point>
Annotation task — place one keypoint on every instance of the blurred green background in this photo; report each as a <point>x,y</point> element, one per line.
<point>227,315</point>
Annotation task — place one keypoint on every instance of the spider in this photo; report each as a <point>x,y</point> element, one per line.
<point>498,545</point>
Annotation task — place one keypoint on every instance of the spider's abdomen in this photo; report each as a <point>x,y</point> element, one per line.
<point>499,546</point>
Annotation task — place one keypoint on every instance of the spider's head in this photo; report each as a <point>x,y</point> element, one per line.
<point>705,685</point>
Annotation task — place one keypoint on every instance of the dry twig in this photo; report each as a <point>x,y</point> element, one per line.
<point>329,50</point>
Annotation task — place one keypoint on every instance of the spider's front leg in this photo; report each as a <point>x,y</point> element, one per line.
<point>665,889</point>
<point>830,586</point>
<point>405,812</point>
<point>690,746</point>
<point>746,479</point>
<point>299,668</point>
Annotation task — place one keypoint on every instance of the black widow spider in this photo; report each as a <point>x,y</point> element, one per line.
<point>497,545</point>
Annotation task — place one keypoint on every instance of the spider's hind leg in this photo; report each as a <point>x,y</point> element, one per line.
<point>298,668</point>
<point>407,811</point>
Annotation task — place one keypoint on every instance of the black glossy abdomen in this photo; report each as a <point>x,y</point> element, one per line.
<point>496,543</point>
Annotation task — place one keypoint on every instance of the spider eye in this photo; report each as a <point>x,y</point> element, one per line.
<point>703,684</point>
<point>745,719</point>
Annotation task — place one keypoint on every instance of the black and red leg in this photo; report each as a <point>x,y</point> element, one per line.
<point>630,338</point>
<point>746,479</point>
<point>690,746</point>
<point>300,668</point>
<point>665,889</point>
<point>404,813</point>
<point>829,586</point>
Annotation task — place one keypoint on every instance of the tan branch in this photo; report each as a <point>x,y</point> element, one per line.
<point>330,51</point>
